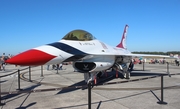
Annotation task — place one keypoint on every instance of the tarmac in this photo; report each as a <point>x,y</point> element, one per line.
<point>65,89</point>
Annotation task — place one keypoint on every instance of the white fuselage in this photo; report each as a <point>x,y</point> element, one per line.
<point>94,51</point>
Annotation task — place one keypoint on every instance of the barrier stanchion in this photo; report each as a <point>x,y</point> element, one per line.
<point>41,71</point>
<point>57,71</point>
<point>89,95</point>
<point>162,93</point>
<point>19,80</point>
<point>29,73</point>
<point>168,69</point>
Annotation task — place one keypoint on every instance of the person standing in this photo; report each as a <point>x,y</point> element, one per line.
<point>131,65</point>
<point>9,56</point>
<point>48,67</point>
<point>60,66</point>
<point>177,62</point>
<point>2,62</point>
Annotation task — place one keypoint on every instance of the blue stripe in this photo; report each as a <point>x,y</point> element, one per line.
<point>69,49</point>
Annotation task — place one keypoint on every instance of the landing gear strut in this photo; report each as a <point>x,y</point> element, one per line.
<point>127,75</point>
<point>126,72</point>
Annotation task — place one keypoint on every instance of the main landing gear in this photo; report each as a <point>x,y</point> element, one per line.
<point>122,68</point>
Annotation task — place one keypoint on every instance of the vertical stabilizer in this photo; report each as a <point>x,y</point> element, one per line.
<point>123,40</point>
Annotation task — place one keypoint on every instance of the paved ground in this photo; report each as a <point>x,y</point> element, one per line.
<point>142,94</point>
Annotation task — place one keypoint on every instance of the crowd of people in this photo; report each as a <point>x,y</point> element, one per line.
<point>56,66</point>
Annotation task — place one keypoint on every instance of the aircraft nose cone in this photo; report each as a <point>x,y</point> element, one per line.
<point>30,58</point>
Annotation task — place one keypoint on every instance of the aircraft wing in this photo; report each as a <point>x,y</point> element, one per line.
<point>150,56</point>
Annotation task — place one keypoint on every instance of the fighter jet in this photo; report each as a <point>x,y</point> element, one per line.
<point>89,55</point>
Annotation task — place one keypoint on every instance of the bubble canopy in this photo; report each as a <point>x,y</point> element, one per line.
<point>79,35</point>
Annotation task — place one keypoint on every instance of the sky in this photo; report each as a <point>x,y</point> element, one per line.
<point>154,25</point>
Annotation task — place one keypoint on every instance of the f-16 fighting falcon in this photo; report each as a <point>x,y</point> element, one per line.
<point>89,55</point>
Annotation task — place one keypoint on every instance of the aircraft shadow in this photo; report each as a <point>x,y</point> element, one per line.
<point>3,81</point>
<point>144,74</point>
<point>111,75</point>
<point>140,70</point>
<point>104,101</point>
<point>81,83</point>
<point>104,79</point>
<point>14,95</point>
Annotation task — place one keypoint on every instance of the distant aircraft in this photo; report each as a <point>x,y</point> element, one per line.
<point>89,55</point>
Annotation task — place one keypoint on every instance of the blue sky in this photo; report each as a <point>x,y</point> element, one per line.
<point>154,25</point>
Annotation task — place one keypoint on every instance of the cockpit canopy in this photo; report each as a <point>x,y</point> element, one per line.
<point>79,35</point>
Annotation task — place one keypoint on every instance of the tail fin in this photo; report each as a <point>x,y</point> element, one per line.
<point>123,40</point>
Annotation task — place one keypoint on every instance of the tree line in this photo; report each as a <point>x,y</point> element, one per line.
<point>157,53</point>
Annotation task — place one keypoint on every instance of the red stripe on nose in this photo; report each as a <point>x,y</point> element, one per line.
<point>31,57</point>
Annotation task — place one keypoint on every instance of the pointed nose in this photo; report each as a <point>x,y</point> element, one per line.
<point>30,58</point>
